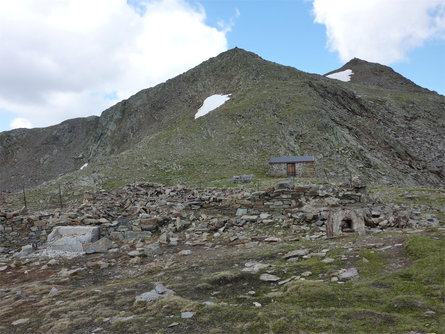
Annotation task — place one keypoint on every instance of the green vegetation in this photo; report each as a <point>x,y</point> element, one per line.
<point>400,289</point>
<point>383,300</point>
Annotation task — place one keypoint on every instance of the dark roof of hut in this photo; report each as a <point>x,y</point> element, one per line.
<point>297,158</point>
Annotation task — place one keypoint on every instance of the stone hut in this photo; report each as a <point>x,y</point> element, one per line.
<point>299,166</point>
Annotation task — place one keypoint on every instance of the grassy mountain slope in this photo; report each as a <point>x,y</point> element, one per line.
<point>386,134</point>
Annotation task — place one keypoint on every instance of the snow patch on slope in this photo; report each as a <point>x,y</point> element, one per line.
<point>211,103</point>
<point>342,76</point>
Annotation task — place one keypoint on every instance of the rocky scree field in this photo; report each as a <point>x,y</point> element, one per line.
<point>172,259</point>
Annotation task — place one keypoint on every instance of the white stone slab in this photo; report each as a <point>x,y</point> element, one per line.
<point>69,241</point>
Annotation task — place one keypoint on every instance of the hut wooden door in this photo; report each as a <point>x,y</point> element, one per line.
<point>290,169</point>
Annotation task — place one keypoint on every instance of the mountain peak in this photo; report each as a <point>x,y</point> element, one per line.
<point>374,74</point>
<point>273,110</point>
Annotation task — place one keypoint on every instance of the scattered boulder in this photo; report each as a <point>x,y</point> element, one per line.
<point>241,212</point>
<point>134,253</point>
<point>67,273</point>
<point>100,246</point>
<point>273,239</point>
<point>159,292</point>
<point>254,267</point>
<point>348,274</point>
<point>53,291</point>
<point>269,278</point>
<point>187,315</point>
<point>26,250</point>
<point>20,322</point>
<point>115,320</point>
<point>328,260</point>
<point>296,253</point>
<point>242,178</point>
<point>185,252</point>
<point>152,249</point>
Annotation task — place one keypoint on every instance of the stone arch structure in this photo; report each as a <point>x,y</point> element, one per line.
<point>343,221</point>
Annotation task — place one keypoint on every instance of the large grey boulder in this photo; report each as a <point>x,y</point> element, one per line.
<point>69,241</point>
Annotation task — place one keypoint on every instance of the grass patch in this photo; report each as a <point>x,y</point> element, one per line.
<point>224,277</point>
<point>420,246</point>
<point>370,263</point>
<point>381,301</point>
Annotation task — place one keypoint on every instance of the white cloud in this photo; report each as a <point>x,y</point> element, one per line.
<point>70,58</point>
<point>18,123</point>
<point>379,30</point>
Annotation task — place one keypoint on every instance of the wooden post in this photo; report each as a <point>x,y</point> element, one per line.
<point>60,198</point>
<point>24,197</point>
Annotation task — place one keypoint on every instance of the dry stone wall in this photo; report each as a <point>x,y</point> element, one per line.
<point>144,209</point>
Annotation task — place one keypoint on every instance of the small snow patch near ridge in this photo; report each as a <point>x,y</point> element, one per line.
<point>84,166</point>
<point>342,76</point>
<point>211,103</point>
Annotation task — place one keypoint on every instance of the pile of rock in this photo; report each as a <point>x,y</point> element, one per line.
<point>197,216</point>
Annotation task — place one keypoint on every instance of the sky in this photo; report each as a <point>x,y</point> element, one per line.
<point>75,58</point>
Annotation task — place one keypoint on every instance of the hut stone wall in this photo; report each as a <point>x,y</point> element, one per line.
<point>303,169</point>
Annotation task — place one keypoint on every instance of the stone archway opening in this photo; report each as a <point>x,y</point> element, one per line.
<point>346,226</point>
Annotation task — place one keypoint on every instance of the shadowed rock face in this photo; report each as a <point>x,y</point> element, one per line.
<point>380,126</point>
<point>31,156</point>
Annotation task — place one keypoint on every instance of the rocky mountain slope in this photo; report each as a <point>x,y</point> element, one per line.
<point>374,74</point>
<point>379,125</point>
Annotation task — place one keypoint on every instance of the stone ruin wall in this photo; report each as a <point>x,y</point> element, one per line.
<point>140,210</point>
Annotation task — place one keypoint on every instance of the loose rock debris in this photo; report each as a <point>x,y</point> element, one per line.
<point>151,228</point>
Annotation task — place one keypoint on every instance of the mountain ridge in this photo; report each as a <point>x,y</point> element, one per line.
<point>375,74</point>
<point>274,109</point>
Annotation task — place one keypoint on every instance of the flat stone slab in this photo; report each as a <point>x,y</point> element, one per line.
<point>269,278</point>
<point>20,322</point>
<point>122,319</point>
<point>296,253</point>
<point>82,233</point>
<point>187,315</point>
<point>69,241</point>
